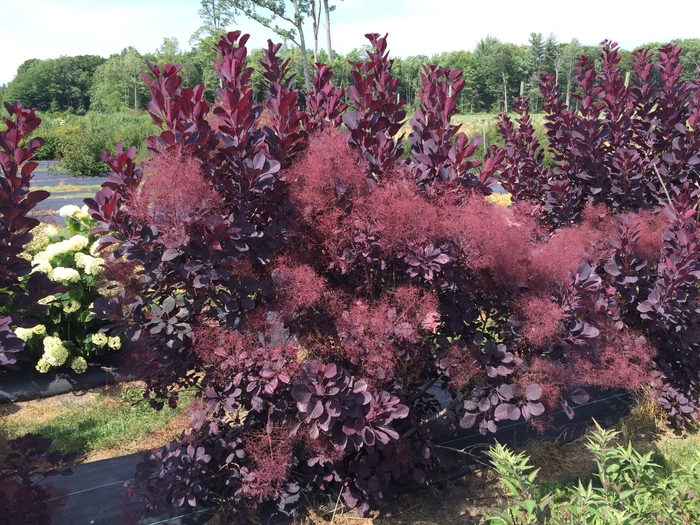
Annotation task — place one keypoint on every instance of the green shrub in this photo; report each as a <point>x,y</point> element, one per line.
<point>82,150</point>
<point>78,141</point>
<point>627,488</point>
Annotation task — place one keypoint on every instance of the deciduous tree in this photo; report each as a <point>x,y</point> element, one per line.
<point>269,12</point>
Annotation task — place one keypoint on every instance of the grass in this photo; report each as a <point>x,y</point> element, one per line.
<point>65,195</point>
<point>106,422</point>
<point>72,195</point>
<point>64,188</point>
<point>677,451</point>
<point>500,199</point>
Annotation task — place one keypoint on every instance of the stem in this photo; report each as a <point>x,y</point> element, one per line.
<point>337,502</point>
<point>670,203</point>
<point>421,391</point>
<point>437,415</point>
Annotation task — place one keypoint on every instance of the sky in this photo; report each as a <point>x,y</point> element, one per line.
<point>52,28</point>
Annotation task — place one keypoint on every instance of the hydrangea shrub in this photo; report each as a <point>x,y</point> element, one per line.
<point>66,335</point>
<point>22,498</point>
<point>323,290</point>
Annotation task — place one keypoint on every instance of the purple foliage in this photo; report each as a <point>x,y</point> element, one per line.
<point>378,115</point>
<point>630,148</point>
<point>332,285</point>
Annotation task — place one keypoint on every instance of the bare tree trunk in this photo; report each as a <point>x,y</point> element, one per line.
<point>302,41</point>
<point>329,50</point>
<point>505,93</point>
<point>315,20</point>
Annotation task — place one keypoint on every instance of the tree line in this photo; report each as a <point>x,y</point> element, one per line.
<point>494,71</point>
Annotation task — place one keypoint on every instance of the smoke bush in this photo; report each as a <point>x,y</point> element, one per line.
<point>326,287</point>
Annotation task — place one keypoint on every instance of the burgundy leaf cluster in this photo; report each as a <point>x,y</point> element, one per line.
<point>439,150</point>
<point>286,123</point>
<point>325,104</point>
<point>378,114</point>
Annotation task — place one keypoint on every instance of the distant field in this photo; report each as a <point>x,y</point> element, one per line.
<point>477,124</point>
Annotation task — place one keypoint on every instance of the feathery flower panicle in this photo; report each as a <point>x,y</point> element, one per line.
<point>173,196</point>
<point>300,286</point>
<point>542,319</point>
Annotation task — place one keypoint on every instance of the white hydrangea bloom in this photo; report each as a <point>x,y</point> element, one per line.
<point>94,266</point>
<point>81,259</point>
<point>72,306</point>
<point>55,353</point>
<point>74,244</point>
<point>24,333</point>
<point>41,265</point>
<point>40,256</point>
<point>68,210</point>
<point>41,237</point>
<point>39,329</point>
<point>64,275</point>
<point>47,300</point>
<point>43,366</point>
<point>99,339</point>
<point>78,242</point>
<point>114,343</point>
<point>79,365</point>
